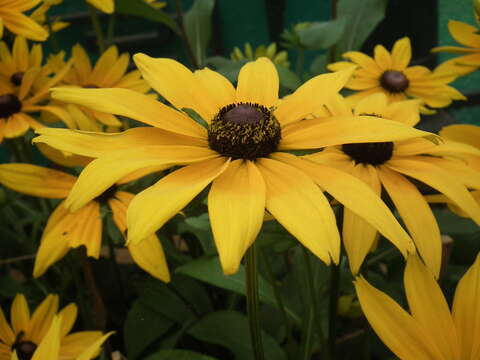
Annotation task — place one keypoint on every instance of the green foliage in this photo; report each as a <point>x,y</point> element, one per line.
<point>178,355</point>
<point>322,35</point>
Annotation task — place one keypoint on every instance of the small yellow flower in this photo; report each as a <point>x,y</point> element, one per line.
<point>12,18</point>
<point>389,73</point>
<point>430,331</point>
<point>242,151</point>
<point>280,58</point>
<point>45,333</point>
<point>65,230</point>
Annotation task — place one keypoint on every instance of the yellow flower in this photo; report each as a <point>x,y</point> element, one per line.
<point>389,73</point>
<point>24,86</point>
<point>110,71</point>
<point>12,18</point>
<point>463,134</point>
<point>389,165</point>
<point>240,151</point>
<point>40,16</point>
<point>45,333</point>
<point>65,230</point>
<point>468,36</point>
<point>106,6</point>
<point>431,332</point>
<point>280,58</point>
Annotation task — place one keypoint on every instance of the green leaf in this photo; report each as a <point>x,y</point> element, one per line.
<point>361,19</point>
<point>322,35</point>
<point>453,224</point>
<point>288,78</point>
<point>178,355</point>
<point>319,65</point>
<point>227,67</point>
<point>231,330</point>
<point>141,9</point>
<point>208,269</point>
<point>197,22</point>
<point>200,226</point>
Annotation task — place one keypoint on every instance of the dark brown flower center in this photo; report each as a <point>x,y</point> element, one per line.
<point>24,349</point>
<point>107,194</point>
<point>9,105</point>
<point>394,81</point>
<point>375,153</point>
<point>244,131</point>
<point>17,78</point>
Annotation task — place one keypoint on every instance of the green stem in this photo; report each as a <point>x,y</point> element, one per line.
<point>183,34</point>
<point>51,35</point>
<point>97,28</point>
<point>111,29</point>
<point>307,334</point>
<point>251,274</point>
<point>300,61</point>
<point>332,307</point>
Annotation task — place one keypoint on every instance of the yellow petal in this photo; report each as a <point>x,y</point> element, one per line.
<point>383,58</point>
<point>107,6</point>
<point>20,24</point>
<point>61,158</point>
<point>104,64</point>
<point>464,174</point>
<point>49,347</point>
<point>236,206</point>
<point>312,134</point>
<point>154,206</point>
<point>394,326</point>
<point>357,196</point>
<point>93,349</point>
<point>16,126</point>
<point>466,312</point>
<point>258,83</point>
<point>364,61</point>
<point>69,315</point>
<point>464,34</point>
<point>406,112</point>
<point>6,334</point>
<point>375,104</point>
<point>401,54</point>
<point>300,206</point>
<point>358,235</point>
<point>462,133</point>
<point>429,307</point>
<point>36,180</point>
<point>75,344</point>
<point>87,230</point>
<point>94,145</point>
<point>19,314</point>
<point>81,61</point>
<point>178,85</point>
<point>42,319</point>
<point>131,104</point>
<point>312,96</point>
<point>421,223</point>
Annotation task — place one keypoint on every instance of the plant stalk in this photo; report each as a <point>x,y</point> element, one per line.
<point>183,35</point>
<point>332,307</point>
<point>97,28</point>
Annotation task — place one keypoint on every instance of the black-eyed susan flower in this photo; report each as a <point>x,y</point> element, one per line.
<point>389,165</point>
<point>110,71</point>
<point>65,230</point>
<point>45,334</point>
<point>430,331</point>
<point>241,151</point>
<point>270,51</point>
<point>389,73</point>
<point>469,61</point>
<point>12,17</point>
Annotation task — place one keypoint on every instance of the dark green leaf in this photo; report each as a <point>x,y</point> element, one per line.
<point>200,226</point>
<point>288,78</point>
<point>361,19</point>
<point>322,35</point>
<point>453,224</point>
<point>197,23</point>
<point>319,64</point>
<point>231,330</point>
<point>178,355</point>
<point>141,9</point>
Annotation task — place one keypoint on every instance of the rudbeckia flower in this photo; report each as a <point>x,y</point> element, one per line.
<point>468,36</point>
<point>25,90</point>
<point>45,333</point>
<point>12,18</point>
<point>65,230</point>
<point>106,6</point>
<point>389,165</point>
<point>110,71</point>
<point>389,73</point>
<point>463,134</point>
<point>430,331</point>
<point>241,151</point>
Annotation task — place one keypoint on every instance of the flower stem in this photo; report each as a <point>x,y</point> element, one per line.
<point>183,34</point>
<point>97,28</point>
<point>251,274</point>
<point>332,307</point>
<point>300,61</point>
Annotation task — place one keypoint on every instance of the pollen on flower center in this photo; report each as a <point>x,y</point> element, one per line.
<point>244,131</point>
<point>24,349</point>
<point>9,105</point>
<point>107,194</point>
<point>17,78</point>
<point>375,153</point>
<point>394,81</point>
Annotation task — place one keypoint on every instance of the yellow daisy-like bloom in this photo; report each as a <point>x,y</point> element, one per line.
<point>280,58</point>
<point>468,36</point>
<point>465,134</point>
<point>430,332</point>
<point>24,89</point>
<point>389,73</point>
<point>65,230</point>
<point>45,333</point>
<point>240,151</point>
<point>389,165</point>
<point>110,71</point>
<point>106,6</point>
<point>12,18</point>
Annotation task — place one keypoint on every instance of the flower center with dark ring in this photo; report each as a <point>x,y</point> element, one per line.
<point>16,79</point>
<point>9,105</point>
<point>244,131</point>
<point>375,153</point>
<point>394,81</point>
<point>24,349</point>
<point>107,194</point>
